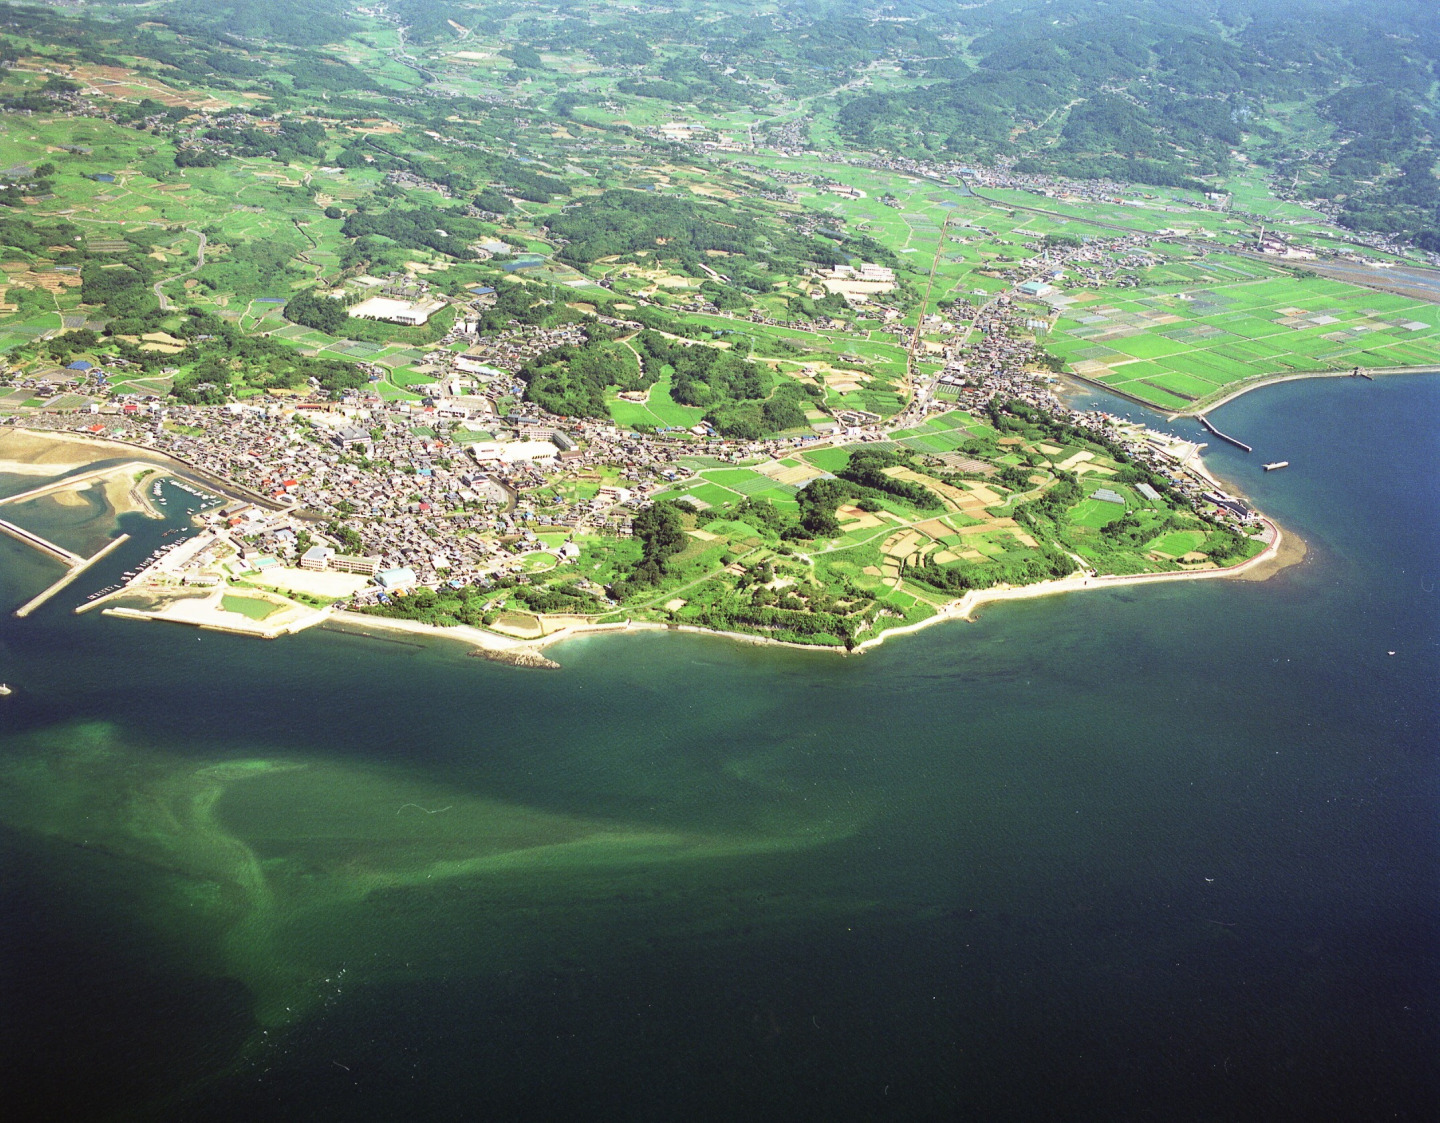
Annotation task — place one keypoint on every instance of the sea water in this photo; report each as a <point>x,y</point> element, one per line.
<point>1149,853</point>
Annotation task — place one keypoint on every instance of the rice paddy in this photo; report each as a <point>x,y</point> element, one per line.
<point>1181,348</point>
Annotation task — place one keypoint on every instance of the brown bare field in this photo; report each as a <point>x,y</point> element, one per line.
<point>856,519</point>
<point>121,82</point>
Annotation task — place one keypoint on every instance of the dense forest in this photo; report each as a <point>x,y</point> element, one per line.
<point>1159,92</point>
<point>623,222</point>
<point>742,398</point>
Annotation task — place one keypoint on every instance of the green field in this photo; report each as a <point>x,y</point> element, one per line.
<point>252,608</point>
<point>659,409</point>
<point>1183,347</point>
<point>1178,543</point>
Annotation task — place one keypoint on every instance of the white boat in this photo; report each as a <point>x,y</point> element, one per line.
<point>1277,464</point>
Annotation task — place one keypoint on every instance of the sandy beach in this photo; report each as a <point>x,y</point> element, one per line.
<point>1270,560</point>
<point>204,610</point>
<point>489,645</point>
<point>53,454</point>
<point>23,453</point>
<point>31,454</point>
<point>122,486</point>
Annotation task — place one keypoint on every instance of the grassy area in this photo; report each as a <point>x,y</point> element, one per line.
<point>253,608</point>
<point>658,409</point>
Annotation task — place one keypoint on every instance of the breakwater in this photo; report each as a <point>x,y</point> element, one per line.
<point>50,549</point>
<point>1210,428</point>
<point>74,572</point>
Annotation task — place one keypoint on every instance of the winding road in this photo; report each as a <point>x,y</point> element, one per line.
<point>159,286</point>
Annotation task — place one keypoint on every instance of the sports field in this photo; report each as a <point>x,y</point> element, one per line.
<point>252,607</point>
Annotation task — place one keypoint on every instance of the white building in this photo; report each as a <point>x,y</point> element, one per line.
<point>413,313</point>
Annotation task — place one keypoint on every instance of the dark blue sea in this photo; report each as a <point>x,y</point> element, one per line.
<point>1158,853</point>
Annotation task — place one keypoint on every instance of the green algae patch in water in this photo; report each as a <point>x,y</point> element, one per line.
<point>287,874</point>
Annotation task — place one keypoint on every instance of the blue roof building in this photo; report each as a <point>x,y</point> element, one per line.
<point>79,364</point>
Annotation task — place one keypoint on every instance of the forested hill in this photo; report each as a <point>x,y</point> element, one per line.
<point>1163,90</point>
<point>1150,91</point>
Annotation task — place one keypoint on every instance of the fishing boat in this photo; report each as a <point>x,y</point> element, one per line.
<point>1277,464</point>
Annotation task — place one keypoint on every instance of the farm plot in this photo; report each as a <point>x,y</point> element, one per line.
<point>1180,349</point>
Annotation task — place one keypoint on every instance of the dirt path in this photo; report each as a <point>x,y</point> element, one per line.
<point>305,255</point>
<point>159,286</point>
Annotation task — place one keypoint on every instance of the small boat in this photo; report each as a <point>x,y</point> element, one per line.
<point>1277,464</point>
<point>4,690</point>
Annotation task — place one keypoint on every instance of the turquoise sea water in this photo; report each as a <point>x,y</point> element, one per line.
<point>1154,853</point>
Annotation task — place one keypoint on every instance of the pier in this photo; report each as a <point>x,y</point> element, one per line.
<point>1205,421</point>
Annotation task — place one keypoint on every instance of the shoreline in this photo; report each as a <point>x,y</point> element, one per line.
<point>173,464</point>
<point>1090,385</point>
<point>1285,550</point>
<point>1241,391</point>
<point>1276,554</point>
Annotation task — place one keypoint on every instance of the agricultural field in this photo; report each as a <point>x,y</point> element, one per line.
<point>718,489</point>
<point>233,246</point>
<point>658,409</point>
<point>1180,347</point>
<point>963,502</point>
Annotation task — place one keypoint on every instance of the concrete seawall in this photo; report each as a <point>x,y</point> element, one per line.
<point>49,549</point>
<point>1210,428</point>
<point>35,602</point>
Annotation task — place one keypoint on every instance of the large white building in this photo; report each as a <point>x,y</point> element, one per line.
<point>395,311</point>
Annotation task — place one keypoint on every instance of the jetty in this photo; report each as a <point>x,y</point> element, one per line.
<point>59,553</point>
<point>74,483</point>
<point>74,572</point>
<point>1210,428</point>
